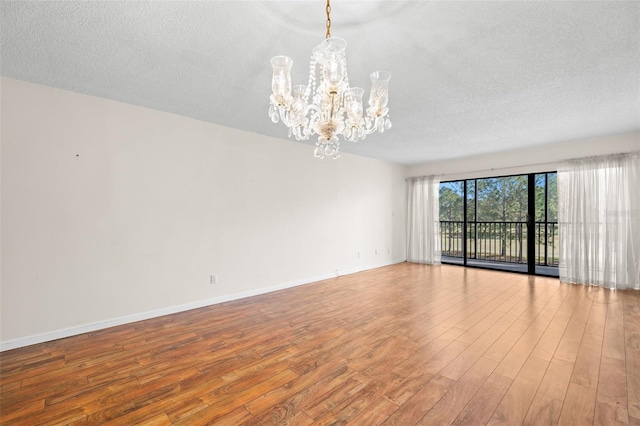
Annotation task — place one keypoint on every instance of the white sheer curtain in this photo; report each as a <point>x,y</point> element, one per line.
<point>423,221</point>
<point>599,220</point>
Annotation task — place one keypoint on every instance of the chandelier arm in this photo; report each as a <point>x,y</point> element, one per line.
<point>304,127</point>
<point>373,124</point>
<point>368,131</point>
<point>285,116</point>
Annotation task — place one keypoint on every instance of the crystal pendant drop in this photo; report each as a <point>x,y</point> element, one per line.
<point>273,113</point>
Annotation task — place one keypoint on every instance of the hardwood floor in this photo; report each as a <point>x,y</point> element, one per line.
<point>402,345</point>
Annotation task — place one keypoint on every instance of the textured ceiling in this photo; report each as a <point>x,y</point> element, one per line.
<point>467,77</point>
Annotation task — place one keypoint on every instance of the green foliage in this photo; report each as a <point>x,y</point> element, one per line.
<point>551,215</point>
<point>451,200</point>
<point>552,194</point>
<point>501,199</point>
<point>471,204</point>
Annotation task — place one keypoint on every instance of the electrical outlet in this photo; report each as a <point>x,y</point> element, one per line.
<point>213,279</point>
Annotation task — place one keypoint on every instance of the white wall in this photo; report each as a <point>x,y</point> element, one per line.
<point>112,213</point>
<point>531,160</point>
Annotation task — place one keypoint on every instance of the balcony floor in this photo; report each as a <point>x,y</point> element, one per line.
<point>502,266</point>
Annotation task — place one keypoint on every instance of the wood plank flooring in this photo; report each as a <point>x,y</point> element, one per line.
<point>402,345</point>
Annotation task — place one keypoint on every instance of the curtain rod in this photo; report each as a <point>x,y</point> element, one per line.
<point>526,165</point>
<point>483,170</point>
<point>617,154</point>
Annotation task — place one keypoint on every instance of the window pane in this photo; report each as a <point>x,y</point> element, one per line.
<point>546,227</point>
<point>539,201</point>
<point>552,194</point>
<point>451,200</point>
<point>451,219</point>
<point>471,194</point>
<point>502,199</point>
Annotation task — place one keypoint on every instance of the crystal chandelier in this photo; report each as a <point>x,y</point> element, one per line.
<point>327,106</point>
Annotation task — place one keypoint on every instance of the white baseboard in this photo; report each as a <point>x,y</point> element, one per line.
<point>87,328</point>
<point>350,271</point>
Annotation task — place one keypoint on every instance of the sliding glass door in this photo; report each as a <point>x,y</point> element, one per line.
<point>452,231</point>
<point>546,224</point>
<point>498,222</point>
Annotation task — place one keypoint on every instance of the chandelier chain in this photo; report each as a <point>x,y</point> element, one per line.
<point>328,34</point>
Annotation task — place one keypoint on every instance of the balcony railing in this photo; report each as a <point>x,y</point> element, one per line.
<point>500,241</point>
